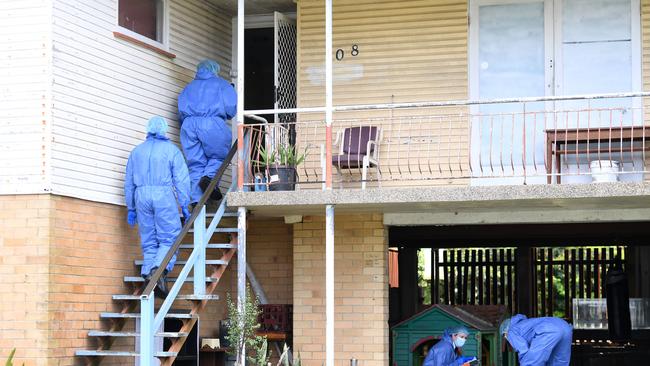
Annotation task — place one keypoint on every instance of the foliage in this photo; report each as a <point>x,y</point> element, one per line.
<point>288,155</point>
<point>267,157</point>
<point>241,331</point>
<point>284,358</point>
<point>11,357</point>
<point>10,361</point>
<point>285,155</point>
<point>423,283</point>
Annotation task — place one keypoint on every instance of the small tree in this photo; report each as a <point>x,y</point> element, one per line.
<point>242,325</point>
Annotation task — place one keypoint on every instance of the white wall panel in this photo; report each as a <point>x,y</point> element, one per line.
<point>105,89</point>
<point>25,60</point>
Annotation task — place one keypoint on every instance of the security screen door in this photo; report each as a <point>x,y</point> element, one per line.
<point>532,48</point>
<point>285,71</point>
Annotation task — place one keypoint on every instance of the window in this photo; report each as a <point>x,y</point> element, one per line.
<point>535,48</point>
<point>144,17</point>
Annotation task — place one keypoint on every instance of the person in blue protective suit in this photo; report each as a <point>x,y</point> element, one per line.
<point>447,352</point>
<point>156,183</point>
<point>204,106</point>
<point>539,341</point>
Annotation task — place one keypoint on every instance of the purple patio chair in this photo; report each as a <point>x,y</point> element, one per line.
<point>358,148</point>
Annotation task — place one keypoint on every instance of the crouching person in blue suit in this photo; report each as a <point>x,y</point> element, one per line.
<point>539,341</point>
<point>447,352</point>
<point>156,183</point>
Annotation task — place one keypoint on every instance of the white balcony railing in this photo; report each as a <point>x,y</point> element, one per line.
<point>557,140</point>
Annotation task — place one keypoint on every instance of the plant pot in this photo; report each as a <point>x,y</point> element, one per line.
<point>282,178</point>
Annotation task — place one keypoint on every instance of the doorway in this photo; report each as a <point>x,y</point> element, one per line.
<point>259,70</point>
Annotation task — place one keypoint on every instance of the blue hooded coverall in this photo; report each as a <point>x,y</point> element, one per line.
<point>540,341</point>
<point>156,176</point>
<point>444,353</point>
<point>204,106</point>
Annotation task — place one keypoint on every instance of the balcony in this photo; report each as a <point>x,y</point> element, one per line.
<point>533,149</point>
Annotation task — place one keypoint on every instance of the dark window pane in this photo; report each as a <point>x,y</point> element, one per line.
<point>140,16</point>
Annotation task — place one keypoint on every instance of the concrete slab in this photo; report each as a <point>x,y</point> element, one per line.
<point>576,203</point>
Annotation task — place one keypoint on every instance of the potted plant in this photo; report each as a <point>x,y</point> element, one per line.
<point>281,166</point>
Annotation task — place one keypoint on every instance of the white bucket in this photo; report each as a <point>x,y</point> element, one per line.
<point>603,171</point>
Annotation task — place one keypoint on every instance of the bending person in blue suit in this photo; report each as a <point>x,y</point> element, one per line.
<point>539,341</point>
<point>156,183</point>
<point>447,352</point>
<point>204,106</point>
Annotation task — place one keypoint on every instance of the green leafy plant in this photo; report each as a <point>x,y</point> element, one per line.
<point>284,155</point>
<point>11,357</point>
<point>267,157</point>
<point>242,331</point>
<point>284,358</point>
<point>288,155</point>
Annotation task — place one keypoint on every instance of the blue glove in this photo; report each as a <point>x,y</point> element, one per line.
<point>466,359</point>
<point>131,218</point>
<point>186,214</point>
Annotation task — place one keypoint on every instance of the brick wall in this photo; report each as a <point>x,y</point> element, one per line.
<point>361,290</point>
<point>63,258</point>
<point>92,249</point>
<point>24,259</point>
<point>269,254</point>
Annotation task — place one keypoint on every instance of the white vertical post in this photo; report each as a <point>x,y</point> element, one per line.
<point>329,285</point>
<point>199,247</point>
<point>147,330</point>
<point>328,94</point>
<point>241,268</point>
<point>240,94</point>
<point>329,210</point>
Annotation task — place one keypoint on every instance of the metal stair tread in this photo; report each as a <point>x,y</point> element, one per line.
<point>225,214</point>
<point>179,297</point>
<point>103,333</point>
<point>209,246</point>
<point>212,246</point>
<point>138,262</point>
<point>108,353</point>
<point>221,230</point>
<point>169,279</point>
<point>137,315</point>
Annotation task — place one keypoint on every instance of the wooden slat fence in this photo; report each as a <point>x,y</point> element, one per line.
<point>474,276</point>
<point>562,274</point>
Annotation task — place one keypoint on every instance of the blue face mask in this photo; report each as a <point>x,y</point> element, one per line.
<point>459,342</point>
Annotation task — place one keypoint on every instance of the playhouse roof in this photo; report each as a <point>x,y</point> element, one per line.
<point>481,317</point>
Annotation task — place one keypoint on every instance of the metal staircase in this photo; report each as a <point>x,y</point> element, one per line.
<point>204,285</point>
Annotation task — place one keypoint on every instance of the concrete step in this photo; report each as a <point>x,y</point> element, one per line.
<point>179,297</point>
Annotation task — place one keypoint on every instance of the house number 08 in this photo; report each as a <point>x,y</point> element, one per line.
<point>340,54</point>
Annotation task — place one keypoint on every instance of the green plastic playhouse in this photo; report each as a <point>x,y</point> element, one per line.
<point>413,337</point>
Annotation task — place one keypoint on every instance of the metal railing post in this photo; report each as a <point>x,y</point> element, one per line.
<point>147,330</point>
<point>329,92</point>
<point>199,246</point>
<point>241,272</point>
<point>240,94</point>
<point>329,285</point>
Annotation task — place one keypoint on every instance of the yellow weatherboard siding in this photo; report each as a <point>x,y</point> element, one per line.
<point>408,51</point>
